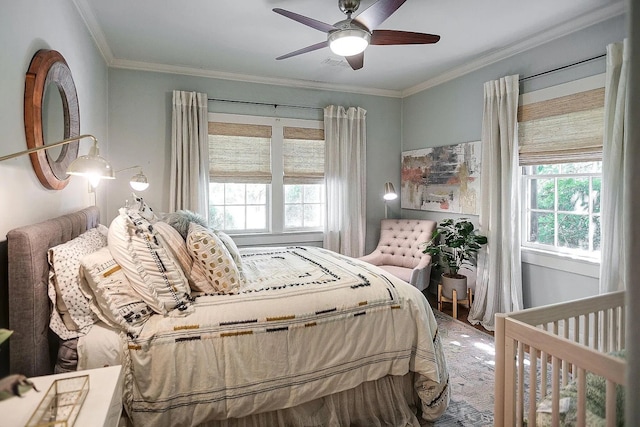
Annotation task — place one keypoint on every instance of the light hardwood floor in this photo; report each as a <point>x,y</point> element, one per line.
<point>463,312</point>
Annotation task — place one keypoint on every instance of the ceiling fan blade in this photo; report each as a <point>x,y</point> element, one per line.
<point>388,37</point>
<point>305,50</point>
<point>376,14</point>
<point>318,25</point>
<point>356,61</point>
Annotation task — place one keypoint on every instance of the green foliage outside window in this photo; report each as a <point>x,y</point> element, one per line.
<point>565,209</point>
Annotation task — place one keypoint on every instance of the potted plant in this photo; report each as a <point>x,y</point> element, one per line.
<point>455,243</point>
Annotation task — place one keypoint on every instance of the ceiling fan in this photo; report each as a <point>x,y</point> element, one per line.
<point>350,37</point>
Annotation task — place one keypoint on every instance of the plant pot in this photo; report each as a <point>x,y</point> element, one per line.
<point>450,283</point>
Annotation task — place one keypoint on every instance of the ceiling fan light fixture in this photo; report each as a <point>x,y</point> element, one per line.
<point>349,42</point>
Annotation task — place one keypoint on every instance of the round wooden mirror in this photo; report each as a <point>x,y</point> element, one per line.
<point>49,76</point>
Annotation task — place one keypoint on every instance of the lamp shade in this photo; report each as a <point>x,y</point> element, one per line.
<point>389,192</point>
<point>139,182</point>
<point>92,165</point>
<point>349,42</point>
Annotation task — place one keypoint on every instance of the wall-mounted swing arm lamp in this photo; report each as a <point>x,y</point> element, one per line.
<point>389,194</point>
<point>92,165</point>
<point>139,181</point>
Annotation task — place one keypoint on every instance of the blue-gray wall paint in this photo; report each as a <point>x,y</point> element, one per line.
<point>140,129</point>
<point>26,27</point>
<point>451,113</point>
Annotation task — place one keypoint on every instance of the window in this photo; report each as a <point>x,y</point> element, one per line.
<point>560,151</point>
<point>562,207</point>
<point>303,155</point>
<point>239,176</point>
<point>266,174</point>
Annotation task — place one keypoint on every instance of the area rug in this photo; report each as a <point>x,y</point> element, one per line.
<point>470,356</point>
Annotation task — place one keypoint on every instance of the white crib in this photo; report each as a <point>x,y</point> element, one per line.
<point>541,350</point>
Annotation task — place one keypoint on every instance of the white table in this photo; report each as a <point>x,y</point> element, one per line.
<point>102,406</point>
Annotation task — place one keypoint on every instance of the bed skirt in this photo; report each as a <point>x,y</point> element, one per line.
<point>389,401</point>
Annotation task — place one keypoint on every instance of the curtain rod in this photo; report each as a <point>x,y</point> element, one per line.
<point>563,67</point>
<point>274,105</point>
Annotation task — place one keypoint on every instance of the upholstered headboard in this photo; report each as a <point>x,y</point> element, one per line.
<point>32,347</point>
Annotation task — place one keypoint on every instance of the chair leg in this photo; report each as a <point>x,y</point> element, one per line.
<point>469,297</point>
<point>440,297</point>
<point>455,304</point>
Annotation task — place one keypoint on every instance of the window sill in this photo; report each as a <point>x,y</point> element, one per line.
<point>561,262</point>
<point>279,239</point>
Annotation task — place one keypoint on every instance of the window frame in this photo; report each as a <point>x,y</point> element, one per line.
<point>276,232</point>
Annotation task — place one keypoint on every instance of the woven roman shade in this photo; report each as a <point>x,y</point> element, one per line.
<point>303,155</point>
<point>566,129</point>
<point>239,153</point>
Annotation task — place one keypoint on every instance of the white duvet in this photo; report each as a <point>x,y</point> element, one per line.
<point>307,323</point>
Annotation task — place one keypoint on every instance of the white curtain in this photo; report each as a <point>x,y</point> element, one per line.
<point>615,147</point>
<point>189,169</point>
<point>499,281</point>
<point>345,178</point>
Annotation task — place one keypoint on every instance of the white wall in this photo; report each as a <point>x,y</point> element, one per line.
<point>25,27</point>
<point>140,130</point>
<point>451,113</point>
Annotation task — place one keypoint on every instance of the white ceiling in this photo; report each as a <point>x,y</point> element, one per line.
<point>240,40</point>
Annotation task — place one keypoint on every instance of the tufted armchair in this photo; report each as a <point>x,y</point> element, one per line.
<point>399,250</point>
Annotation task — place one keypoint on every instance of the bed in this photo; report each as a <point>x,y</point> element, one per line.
<point>314,338</point>
<point>562,364</point>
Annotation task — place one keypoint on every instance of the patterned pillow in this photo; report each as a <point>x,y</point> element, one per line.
<point>143,208</point>
<point>213,257</point>
<point>151,269</point>
<point>233,250</point>
<point>71,315</point>
<point>172,240</point>
<point>111,296</point>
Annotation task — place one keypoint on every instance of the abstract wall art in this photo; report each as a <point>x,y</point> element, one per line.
<point>444,179</point>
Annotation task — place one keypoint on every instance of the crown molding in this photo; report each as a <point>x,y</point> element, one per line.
<point>198,72</point>
<point>94,28</point>
<point>579,23</point>
<point>554,33</point>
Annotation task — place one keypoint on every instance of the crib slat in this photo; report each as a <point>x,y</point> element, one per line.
<point>606,332</point>
<point>621,338</point>
<point>596,331</point>
<point>520,376</point>
<point>544,356</point>
<point>510,379</point>
<point>533,369</point>
<point>585,334</point>
<point>565,365</point>
<point>582,406</point>
<point>555,391</point>
<point>576,337</point>
<point>611,404</point>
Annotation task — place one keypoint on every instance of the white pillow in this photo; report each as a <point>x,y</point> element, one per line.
<point>71,315</point>
<point>111,296</point>
<point>151,269</point>
<point>172,239</point>
<point>211,254</point>
<point>101,347</point>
